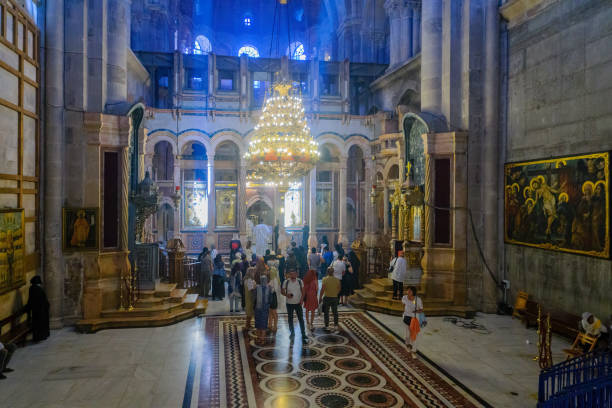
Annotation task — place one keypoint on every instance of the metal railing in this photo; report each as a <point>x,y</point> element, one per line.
<point>594,394</point>
<point>568,376</point>
<point>191,273</point>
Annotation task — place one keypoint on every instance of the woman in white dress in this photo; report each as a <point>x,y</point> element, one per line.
<point>275,283</point>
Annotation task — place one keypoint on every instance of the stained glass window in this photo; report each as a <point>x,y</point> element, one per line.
<point>202,45</point>
<point>293,208</point>
<point>296,50</point>
<point>249,50</point>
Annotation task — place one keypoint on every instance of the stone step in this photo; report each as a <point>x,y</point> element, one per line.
<point>180,314</point>
<point>384,282</point>
<point>143,311</point>
<point>190,301</point>
<point>164,289</point>
<point>177,295</point>
<point>375,289</point>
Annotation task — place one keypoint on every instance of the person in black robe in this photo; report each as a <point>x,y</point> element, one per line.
<point>355,264</point>
<point>305,233</point>
<point>38,310</point>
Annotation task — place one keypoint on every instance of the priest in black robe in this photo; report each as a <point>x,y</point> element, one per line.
<point>38,310</point>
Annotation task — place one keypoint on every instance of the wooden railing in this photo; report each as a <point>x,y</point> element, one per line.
<point>191,273</point>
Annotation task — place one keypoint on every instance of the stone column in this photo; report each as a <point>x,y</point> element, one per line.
<point>392,9</point>
<point>96,55</point>
<point>491,190</point>
<point>177,182</point>
<point>54,160</point>
<point>429,211</point>
<point>148,163</point>
<point>406,32</point>
<point>342,233</point>
<point>118,37</point>
<point>211,194</point>
<point>416,29</point>
<point>370,214</point>
<point>386,208</point>
<point>431,57</point>
<point>142,142</point>
<point>124,199</point>
<point>312,202</point>
<point>242,210</point>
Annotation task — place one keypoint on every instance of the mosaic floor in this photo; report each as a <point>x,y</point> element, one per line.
<point>363,364</point>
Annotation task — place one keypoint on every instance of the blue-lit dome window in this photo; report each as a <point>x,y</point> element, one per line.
<point>202,45</point>
<point>296,51</point>
<point>249,50</point>
<point>247,21</point>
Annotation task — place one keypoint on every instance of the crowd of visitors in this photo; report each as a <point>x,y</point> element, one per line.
<point>259,286</point>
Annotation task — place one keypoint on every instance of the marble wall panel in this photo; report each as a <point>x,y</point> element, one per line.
<point>8,140</point>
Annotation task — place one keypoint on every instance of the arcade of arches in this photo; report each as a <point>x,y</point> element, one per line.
<point>470,138</point>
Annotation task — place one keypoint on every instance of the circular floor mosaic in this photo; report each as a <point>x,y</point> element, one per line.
<point>323,382</point>
<point>332,339</point>
<point>309,352</point>
<point>377,398</point>
<point>340,351</point>
<point>350,364</point>
<point>275,368</point>
<point>282,384</point>
<point>314,366</point>
<point>334,400</point>
<point>365,380</point>
<point>271,354</point>
<point>286,401</point>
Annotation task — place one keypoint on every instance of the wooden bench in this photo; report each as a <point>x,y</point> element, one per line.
<point>19,329</point>
<point>565,324</point>
<point>529,315</point>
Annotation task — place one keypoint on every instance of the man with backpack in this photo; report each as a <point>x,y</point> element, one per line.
<point>293,289</point>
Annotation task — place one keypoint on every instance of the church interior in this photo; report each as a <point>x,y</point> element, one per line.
<point>178,177</point>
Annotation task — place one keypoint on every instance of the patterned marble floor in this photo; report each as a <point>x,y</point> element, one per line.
<point>363,364</point>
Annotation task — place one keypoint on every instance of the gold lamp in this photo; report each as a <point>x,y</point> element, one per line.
<point>282,149</point>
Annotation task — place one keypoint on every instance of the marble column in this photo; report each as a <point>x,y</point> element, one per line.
<point>416,29</point>
<point>431,57</point>
<point>118,37</point>
<point>406,32</point>
<point>124,199</point>
<point>312,202</point>
<point>392,9</point>
<point>177,182</point>
<point>492,191</point>
<point>342,233</point>
<point>386,208</point>
<point>211,200</point>
<point>148,163</point>
<point>242,210</point>
<point>54,160</point>
<point>370,214</point>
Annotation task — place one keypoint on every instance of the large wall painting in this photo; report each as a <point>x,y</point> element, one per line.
<point>226,208</point>
<point>12,249</point>
<point>561,204</point>
<point>80,229</point>
<point>324,208</point>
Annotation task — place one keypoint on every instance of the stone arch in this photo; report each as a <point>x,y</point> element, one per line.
<point>334,140</point>
<point>390,163</point>
<point>160,135</point>
<point>259,197</point>
<point>228,135</point>
<point>412,129</point>
<point>167,200</point>
<point>409,86</point>
<point>361,141</point>
<point>194,136</point>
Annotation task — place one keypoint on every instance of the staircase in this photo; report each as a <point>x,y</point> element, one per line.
<point>160,307</point>
<point>584,381</point>
<point>377,296</point>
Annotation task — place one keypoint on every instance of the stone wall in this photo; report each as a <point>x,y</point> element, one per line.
<point>560,87</point>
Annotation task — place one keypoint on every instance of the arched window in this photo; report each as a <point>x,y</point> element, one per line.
<point>296,51</point>
<point>249,50</point>
<point>293,208</point>
<point>202,45</point>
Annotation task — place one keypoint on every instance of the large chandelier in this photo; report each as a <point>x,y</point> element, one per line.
<point>282,149</point>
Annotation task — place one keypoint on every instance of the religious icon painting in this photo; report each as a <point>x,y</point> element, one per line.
<point>324,208</point>
<point>561,204</point>
<point>12,249</point>
<point>226,207</point>
<point>80,229</point>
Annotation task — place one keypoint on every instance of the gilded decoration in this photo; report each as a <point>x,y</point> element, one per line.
<point>12,249</point>
<point>560,204</point>
<point>80,229</point>
<point>226,207</point>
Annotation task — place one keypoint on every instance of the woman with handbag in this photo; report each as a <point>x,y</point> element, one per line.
<point>413,307</point>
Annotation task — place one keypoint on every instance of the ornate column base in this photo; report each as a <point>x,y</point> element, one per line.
<point>443,277</point>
